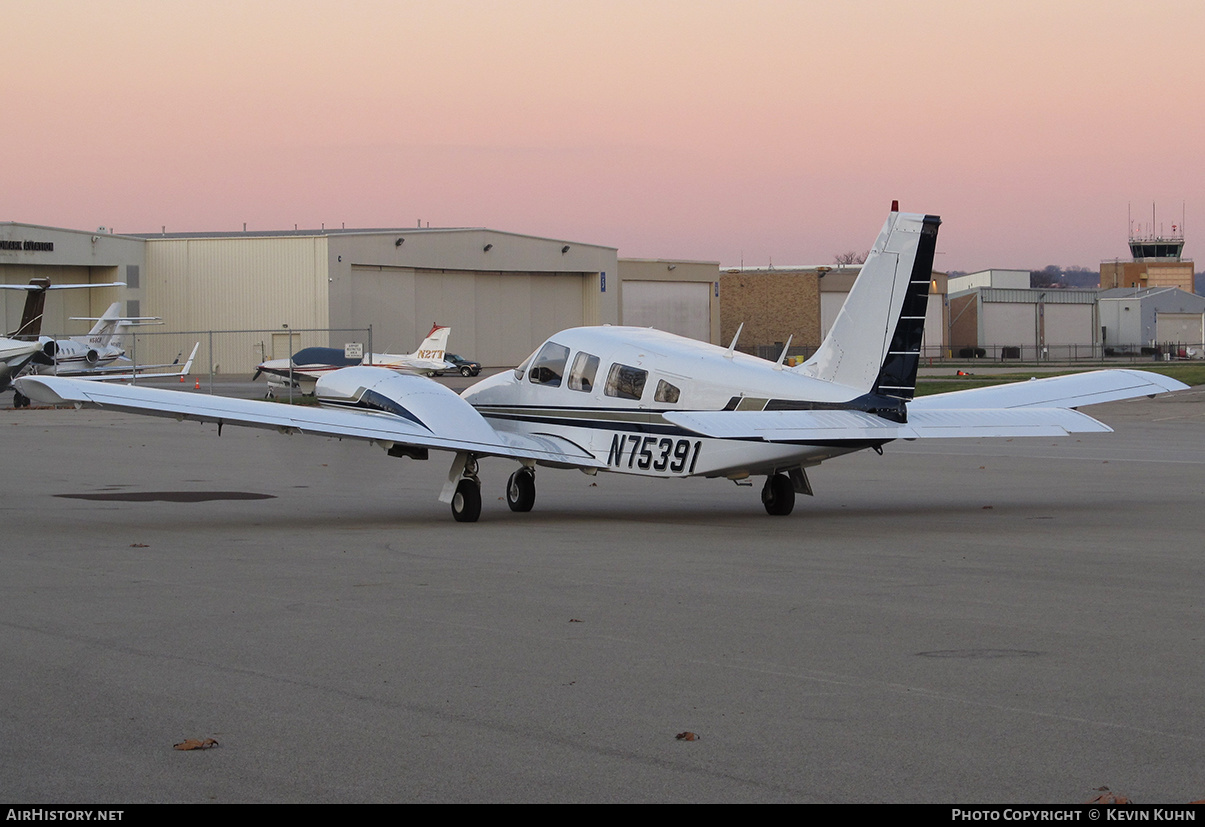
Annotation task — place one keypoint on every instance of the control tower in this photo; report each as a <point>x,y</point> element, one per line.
<point>1157,259</point>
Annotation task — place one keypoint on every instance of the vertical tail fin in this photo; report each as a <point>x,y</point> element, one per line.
<point>874,344</point>
<point>435,345</point>
<point>31,315</point>
<point>107,325</point>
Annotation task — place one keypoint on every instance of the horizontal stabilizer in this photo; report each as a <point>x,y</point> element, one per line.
<point>36,288</point>
<point>825,426</point>
<point>380,427</point>
<point>1071,391</point>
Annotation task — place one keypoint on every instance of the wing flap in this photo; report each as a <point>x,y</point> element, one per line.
<point>823,426</point>
<point>343,423</point>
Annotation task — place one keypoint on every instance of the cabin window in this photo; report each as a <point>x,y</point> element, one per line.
<point>581,376</point>
<point>626,382</point>
<point>549,365</point>
<point>667,392</point>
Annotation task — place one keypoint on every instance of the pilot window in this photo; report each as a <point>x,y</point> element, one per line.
<point>521,370</point>
<point>625,382</point>
<point>549,365</point>
<point>581,376</point>
<point>666,392</point>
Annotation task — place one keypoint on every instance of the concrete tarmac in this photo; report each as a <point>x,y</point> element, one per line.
<point>957,621</point>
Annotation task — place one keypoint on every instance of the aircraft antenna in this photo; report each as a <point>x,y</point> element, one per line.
<point>732,347</point>
<point>783,355</point>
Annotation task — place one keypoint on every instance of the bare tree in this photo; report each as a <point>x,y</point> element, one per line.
<point>850,257</point>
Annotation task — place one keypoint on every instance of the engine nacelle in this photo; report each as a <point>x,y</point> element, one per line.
<point>416,398</point>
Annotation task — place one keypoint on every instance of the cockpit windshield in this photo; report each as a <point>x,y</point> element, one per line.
<point>549,365</point>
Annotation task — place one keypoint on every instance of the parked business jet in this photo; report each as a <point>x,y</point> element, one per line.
<point>639,401</point>
<point>21,346</point>
<point>310,364</point>
<point>95,356</point>
<point>35,303</point>
<point>80,354</point>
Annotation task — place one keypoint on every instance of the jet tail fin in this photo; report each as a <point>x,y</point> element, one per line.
<point>35,303</point>
<point>31,314</point>
<point>106,326</point>
<point>874,344</point>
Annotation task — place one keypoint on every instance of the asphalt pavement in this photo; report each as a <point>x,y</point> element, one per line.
<point>995,621</point>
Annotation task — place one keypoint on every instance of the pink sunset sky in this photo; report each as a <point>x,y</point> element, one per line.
<point>731,131</point>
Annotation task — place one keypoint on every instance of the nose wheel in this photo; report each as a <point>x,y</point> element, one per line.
<point>778,495</point>
<point>521,490</point>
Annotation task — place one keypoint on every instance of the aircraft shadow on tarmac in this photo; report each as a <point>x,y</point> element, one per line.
<point>617,508</point>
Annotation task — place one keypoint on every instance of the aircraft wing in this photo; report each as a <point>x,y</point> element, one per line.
<point>1040,407</point>
<point>1070,391</point>
<point>828,426</point>
<point>454,425</point>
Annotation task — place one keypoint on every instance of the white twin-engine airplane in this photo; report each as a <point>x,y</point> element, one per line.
<point>305,367</point>
<point>639,401</point>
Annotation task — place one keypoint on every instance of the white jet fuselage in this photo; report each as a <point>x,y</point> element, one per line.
<point>77,354</point>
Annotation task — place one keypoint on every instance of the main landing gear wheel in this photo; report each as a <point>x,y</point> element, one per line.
<point>521,490</point>
<point>778,495</point>
<point>466,502</point>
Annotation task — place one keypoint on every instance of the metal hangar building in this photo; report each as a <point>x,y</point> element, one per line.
<point>502,293</point>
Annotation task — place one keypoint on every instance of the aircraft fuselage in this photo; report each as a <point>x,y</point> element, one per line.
<point>607,389</point>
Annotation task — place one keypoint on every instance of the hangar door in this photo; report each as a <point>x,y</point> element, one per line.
<point>1186,328</point>
<point>497,318</point>
<point>682,307</point>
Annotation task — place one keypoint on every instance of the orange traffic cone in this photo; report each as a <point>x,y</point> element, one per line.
<point>181,377</point>
<point>198,385</point>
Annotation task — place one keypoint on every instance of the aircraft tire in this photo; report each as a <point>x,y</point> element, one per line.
<point>466,502</point>
<point>20,400</point>
<point>778,495</point>
<point>521,490</point>
<point>466,371</point>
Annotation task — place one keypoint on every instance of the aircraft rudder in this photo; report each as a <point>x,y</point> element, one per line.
<point>897,374</point>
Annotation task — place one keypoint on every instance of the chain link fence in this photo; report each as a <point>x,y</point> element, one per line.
<point>226,354</point>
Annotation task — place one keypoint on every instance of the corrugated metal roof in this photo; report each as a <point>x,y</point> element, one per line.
<point>1160,298</point>
<point>1035,295</point>
<point>327,232</point>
